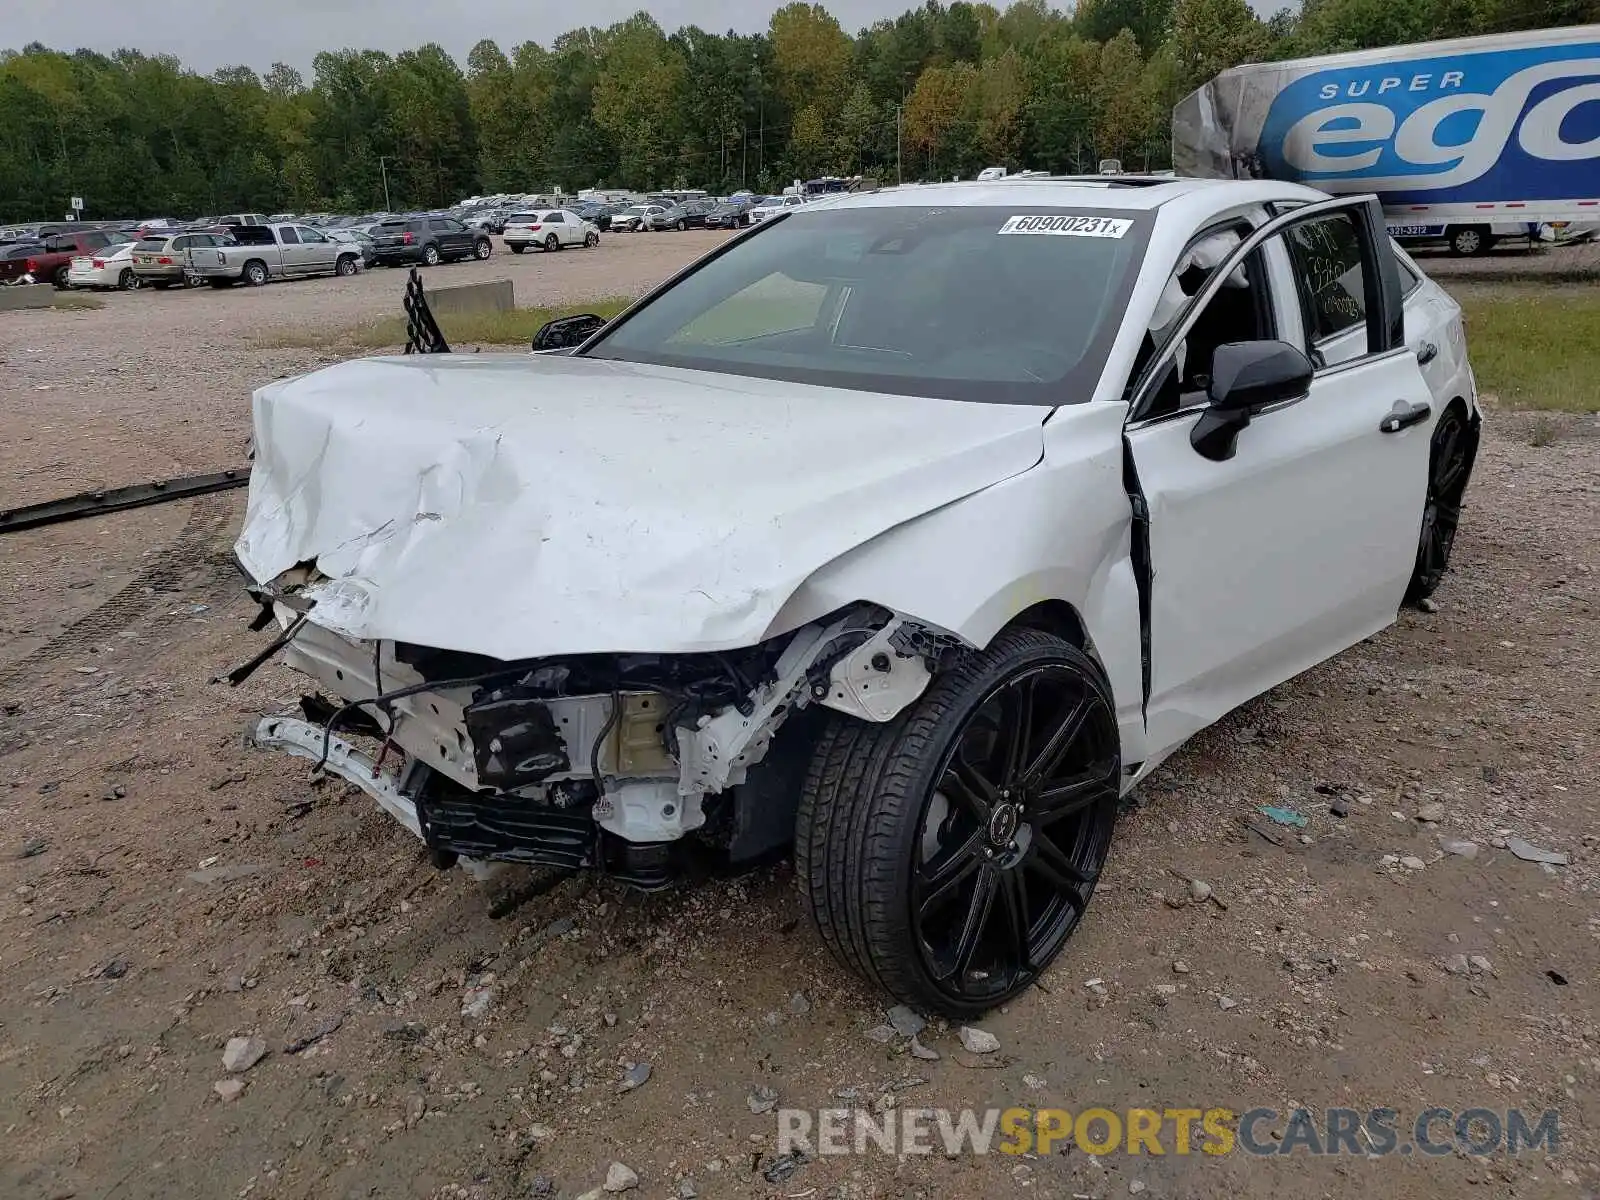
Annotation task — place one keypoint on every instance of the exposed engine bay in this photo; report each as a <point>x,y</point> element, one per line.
<point>596,760</point>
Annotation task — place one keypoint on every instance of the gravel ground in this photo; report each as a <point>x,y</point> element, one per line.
<point>164,890</point>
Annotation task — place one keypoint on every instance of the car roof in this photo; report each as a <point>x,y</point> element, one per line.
<point>1128,193</point>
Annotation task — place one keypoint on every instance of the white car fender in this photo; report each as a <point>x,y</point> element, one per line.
<point>1059,532</point>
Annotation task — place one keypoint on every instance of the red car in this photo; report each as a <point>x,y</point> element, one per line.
<point>50,261</point>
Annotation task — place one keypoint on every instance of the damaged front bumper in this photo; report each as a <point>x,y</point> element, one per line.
<point>605,761</point>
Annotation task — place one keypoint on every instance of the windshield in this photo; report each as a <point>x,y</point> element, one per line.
<point>958,303</point>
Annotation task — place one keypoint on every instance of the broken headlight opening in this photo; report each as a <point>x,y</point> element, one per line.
<point>624,763</point>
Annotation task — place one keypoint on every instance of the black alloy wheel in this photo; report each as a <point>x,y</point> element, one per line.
<point>949,854</point>
<point>1451,453</point>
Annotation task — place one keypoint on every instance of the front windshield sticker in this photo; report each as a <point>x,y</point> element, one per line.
<point>1059,226</point>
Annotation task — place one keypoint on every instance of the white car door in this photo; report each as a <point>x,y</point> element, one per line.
<point>571,229</point>
<point>1300,541</point>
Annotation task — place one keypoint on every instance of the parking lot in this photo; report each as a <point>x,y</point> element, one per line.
<point>163,889</point>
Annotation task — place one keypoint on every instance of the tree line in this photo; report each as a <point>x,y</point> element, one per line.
<point>940,90</point>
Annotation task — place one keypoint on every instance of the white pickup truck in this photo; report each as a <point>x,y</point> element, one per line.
<point>266,252</point>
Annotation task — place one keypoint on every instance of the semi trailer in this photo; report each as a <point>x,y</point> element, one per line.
<point>1468,141</point>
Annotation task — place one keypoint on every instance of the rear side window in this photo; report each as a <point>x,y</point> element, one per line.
<point>289,236</point>
<point>1327,262</point>
<point>556,217</point>
<point>1409,279</point>
<point>183,243</point>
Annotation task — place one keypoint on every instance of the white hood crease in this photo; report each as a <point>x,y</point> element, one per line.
<point>526,505</point>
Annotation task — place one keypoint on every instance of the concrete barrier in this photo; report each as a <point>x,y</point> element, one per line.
<point>496,295</point>
<point>37,295</point>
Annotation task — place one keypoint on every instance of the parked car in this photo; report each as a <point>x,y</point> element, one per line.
<point>773,205</point>
<point>727,215</point>
<point>161,260</point>
<point>427,240</point>
<point>490,221</point>
<point>109,268</point>
<point>629,219</point>
<point>368,248</point>
<point>553,229</point>
<point>1180,439</point>
<point>53,260</point>
<point>265,252</point>
<point>14,258</point>
<point>598,215</point>
<point>690,214</point>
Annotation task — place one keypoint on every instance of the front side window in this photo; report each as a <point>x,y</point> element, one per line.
<point>962,303</point>
<point>1326,252</point>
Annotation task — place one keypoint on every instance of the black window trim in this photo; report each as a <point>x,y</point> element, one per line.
<point>1370,229</point>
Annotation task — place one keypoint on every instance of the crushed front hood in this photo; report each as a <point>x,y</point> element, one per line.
<point>520,506</point>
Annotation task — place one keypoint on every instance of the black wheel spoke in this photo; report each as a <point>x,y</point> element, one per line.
<point>965,785</point>
<point>1058,870</point>
<point>1060,741</point>
<point>1016,723</point>
<point>940,880</point>
<point>1074,793</point>
<point>1014,903</point>
<point>970,935</point>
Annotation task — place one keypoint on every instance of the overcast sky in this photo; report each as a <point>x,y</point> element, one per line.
<point>207,34</point>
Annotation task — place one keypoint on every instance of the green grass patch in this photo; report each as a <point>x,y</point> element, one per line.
<point>513,328</point>
<point>74,301</point>
<point>1539,350</point>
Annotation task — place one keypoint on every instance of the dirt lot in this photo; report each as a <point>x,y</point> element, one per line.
<point>163,889</point>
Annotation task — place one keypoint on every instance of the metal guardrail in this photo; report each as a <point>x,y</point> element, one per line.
<point>109,500</point>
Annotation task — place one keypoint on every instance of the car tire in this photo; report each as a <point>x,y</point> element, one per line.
<point>552,244</point>
<point>128,281</point>
<point>430,255</point>
<point>346,266</point>
<point>681,225</point>
<point>255,272</point>
<point>872,800</point>
<point>482,249</point>
<point>1467,241</point>
<point>59,279</point>
<point>591,240</point>
<point>515,249</point>
<point>1452,451</point>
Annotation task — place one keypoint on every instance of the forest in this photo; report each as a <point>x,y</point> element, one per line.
<point>939,91</point>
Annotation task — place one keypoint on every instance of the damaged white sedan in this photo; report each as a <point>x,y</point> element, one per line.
<point>911,527</point>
